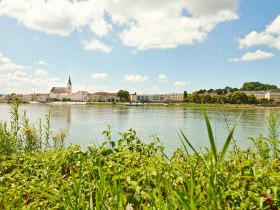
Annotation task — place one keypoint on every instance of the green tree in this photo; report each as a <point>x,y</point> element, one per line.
<point>194,97</point>
<point>239,97</point>
<point>228,98</point>
<point>216,99</point>
<point>201,91</point>
<point>123,94</point>
<point>185,95</point>
<point>210,90</point>
<point>252,99</point>
<point>219,91</point>
<point>263,101</point>
<point>206,98</point>
<point>257,86</point>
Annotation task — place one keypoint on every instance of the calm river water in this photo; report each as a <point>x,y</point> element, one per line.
<point>85,123</point>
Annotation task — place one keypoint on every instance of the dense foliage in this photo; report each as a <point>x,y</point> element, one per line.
<point>124,95</point>
<point>219,91</point>
<point>237,97</point>
<point>130,174</point>
<point>257,86</point>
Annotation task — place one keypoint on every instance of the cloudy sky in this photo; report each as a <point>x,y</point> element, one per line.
<point>148,46</point>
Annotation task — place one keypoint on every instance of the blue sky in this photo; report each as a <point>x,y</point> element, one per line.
<point>147,46</point>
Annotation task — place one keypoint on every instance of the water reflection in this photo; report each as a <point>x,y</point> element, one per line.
<point>61,112</point>
<point>86,123</point>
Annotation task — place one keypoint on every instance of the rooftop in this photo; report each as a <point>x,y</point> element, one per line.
<point>59,90</point>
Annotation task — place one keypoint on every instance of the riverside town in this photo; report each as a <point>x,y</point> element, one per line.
<point>249,93</point>
<point>140,105</point>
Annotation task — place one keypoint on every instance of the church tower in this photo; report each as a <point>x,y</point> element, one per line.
<point>69,85</point>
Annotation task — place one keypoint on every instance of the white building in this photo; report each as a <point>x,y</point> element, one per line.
<point>273,95</point>
<point>258,94</point>
<point>81,96</point>
<point>157,98</point>
<point>61,93</point>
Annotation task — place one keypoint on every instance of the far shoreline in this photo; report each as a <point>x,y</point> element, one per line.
<point>181,105</point>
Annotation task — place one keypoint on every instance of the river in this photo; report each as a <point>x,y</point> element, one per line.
<point>85,123</point>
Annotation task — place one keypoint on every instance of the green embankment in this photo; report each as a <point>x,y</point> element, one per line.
<point>191,105</point>
<point>36,173</point>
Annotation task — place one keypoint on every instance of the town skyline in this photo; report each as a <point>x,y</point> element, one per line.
<point>157,48</point>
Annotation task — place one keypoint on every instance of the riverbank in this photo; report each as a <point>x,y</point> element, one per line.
<point>38,172</point>
<point>190,105</point>
<point>182,105</point>
<point>129,174</point>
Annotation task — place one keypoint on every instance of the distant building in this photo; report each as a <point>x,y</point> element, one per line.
<point>29,97</point>
<point>145,98</point>
<point>107,97</point>
<point>173,97</point>
<point>61,92</point>
<point>81,96</point>
<point>16,97</point>
<point>273,95</point>
<point>42,97</point>
<point>258,94</point>
<point>157,98</point>
<point>133,97</point>
<point>95,98</point>
<point>2,98</point>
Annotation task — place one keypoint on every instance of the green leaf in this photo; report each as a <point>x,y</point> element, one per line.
<point>226,145</point>
<point>188,142</point>
<point>210,135</point>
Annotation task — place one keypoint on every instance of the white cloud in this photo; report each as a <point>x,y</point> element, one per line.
<point>180,83</point>
<point>162,78</point>
<point>269,37</point>
<point>20,74</point>
<point>93,89</point>
<point>99,76</point>
<point>23,82</point>
<point>59,17</point>
<point>274,27</point>
<point>161,24</point>
<point>135,78</point>
<point>144,25</point>
<point>257,55</point>
<point>40,62</point>
<point>41,73</point>
<point>210,7</point>
<point>7,65</point>
<point>95,45</point>
<point>100,27</point>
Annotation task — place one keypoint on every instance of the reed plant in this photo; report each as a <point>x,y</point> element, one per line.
<point>126,173</point>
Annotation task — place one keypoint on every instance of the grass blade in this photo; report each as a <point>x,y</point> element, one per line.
<point>185,148</point>
<point>226,145</point>
<point>20,199</point>
<point>188,142</point>
<point>210,135</point>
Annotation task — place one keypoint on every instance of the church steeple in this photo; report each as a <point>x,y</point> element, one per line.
<point>69,85</point>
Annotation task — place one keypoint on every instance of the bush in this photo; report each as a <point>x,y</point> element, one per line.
<point>129,174</point>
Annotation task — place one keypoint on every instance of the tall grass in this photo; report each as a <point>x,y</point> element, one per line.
<point>22,136</point>
<point>128,174</point>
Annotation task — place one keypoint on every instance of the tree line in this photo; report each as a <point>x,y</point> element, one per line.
<point>227,95</point>
<point>237,97</point>
<point>230,95</point>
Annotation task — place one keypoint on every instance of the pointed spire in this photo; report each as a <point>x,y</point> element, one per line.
<point>69,80</point>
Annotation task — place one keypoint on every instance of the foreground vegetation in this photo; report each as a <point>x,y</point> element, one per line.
<point>37,173</point>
